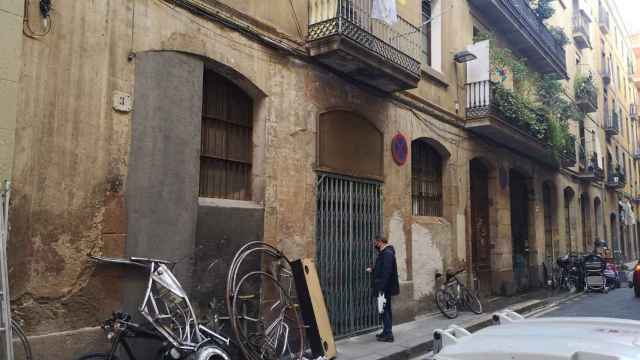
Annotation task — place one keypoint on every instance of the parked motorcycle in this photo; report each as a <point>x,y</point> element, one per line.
<point>611,274</point>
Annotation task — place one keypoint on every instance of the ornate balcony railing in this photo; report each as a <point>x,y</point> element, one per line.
<point>589,168</point>
<point>615,177</point>
<point>603,19</point>
<point>581,31</point>
<point>486,114</point>
<point>606,74</point>
<point>398,43</point>
<point>525,32</point>
<point>611,123</point>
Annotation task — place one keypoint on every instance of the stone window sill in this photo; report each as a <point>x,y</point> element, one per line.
<point>227,203</point>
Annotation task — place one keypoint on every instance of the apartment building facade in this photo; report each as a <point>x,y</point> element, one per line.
<point>185,128</point>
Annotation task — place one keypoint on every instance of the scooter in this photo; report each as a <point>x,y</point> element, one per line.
<point>611,275</point>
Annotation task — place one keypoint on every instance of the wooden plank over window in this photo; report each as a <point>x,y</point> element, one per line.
<point>226,140</point>
<point>426,179</point>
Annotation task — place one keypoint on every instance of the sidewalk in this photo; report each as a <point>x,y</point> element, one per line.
<point>414,338</point>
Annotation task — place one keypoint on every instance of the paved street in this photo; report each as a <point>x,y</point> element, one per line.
<point>619,303</point>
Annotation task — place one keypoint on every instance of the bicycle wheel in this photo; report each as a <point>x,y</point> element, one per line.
<point>471,301</point>
<point>267,325</point>
<point>447,303</point>
<point>96,356</point>
<point>26,347</point>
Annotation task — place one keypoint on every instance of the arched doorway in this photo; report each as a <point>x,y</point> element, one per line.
<point>480,221</point>
<point>569,194</point>
<point>597,212</point>
<point>548,208</point>
<point>614,238</point>
<point>348,217</point>
<point>519,200</point>
<point>622,239</point>
<point>585,212</point>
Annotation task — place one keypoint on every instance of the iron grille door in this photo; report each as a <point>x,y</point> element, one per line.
<point>349,216</point>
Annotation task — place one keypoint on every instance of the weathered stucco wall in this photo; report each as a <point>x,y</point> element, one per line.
<point>72,160</point>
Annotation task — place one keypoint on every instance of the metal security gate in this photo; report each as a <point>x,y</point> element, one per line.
<point>349,217</point>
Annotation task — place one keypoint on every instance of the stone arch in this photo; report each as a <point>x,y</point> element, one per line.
<point>482,223</point>
<point>349,144</point>
<point>569,215</point>
<point>597,216</point>
<point>522,208</point>
<point>551,225</point>
<point>586,216</point>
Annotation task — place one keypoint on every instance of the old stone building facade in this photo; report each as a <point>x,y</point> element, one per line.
<point>313,127</point>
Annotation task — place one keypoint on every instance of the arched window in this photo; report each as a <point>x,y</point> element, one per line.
<point>226,140</point>
<point>426,179</point>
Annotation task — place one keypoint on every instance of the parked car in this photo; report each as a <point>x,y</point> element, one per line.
<point>636,279</point>
<point>544,338</point>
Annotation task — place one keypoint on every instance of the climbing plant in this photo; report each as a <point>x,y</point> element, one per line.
<point>542,8</point>
<point>559,35</point>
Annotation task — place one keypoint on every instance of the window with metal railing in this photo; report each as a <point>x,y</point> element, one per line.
<point>426,179</point>
<point>226,140</point>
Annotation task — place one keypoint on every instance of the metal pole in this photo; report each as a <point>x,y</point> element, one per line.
<point>5,326</point>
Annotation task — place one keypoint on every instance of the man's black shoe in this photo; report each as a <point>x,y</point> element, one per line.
<point>388,338</point>
<point>379,335</point>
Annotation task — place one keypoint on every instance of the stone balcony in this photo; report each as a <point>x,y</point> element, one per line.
<point>581,33</point>
<point>616,179</point>
<point>603,19</point>
<point>611,123</point>
<point>525,33</point>
<point>344,36</point>
<point>484,118</point>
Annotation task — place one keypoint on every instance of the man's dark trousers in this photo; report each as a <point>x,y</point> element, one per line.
<point>387,318</point>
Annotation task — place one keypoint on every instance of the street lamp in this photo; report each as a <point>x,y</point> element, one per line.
<point>464,56</point>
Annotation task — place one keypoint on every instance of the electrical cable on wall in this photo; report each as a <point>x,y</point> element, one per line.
<point>46,12</point>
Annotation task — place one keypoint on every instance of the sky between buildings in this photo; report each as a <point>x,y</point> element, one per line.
<point>630,11</point>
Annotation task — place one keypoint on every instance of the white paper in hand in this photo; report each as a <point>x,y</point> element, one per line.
<point>381,301</point>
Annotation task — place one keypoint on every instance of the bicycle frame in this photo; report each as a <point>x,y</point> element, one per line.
<point>167,308</point>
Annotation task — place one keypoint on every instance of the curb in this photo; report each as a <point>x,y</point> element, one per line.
<point>475,325</point>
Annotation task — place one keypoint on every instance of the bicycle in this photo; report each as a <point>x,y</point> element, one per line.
<point>170,319</point>
<point>453,294</point>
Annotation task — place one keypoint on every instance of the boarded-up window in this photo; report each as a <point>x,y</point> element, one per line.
<point>226,151</point>
<point>426,179</point>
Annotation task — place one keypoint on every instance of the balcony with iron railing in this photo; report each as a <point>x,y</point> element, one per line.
<point>603,19</point>
<point>611,123</point>
<point>485,101</point>
<point>586,92</point>
<point>581,33</point>
<point>606,74</point>
<point>344,36</point>
<point>615,177</point>
<point>589,168</point>
<point>525,33</point>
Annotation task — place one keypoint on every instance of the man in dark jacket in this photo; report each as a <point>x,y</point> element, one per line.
<point>385,274</point>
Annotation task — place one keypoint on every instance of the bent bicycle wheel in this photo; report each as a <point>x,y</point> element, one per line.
<point>447,303</point>
<point>25,349</point>
<point>265,319</point>
<point>471,301</point>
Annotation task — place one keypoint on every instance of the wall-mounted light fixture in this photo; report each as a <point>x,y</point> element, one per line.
<point>464,56</point>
